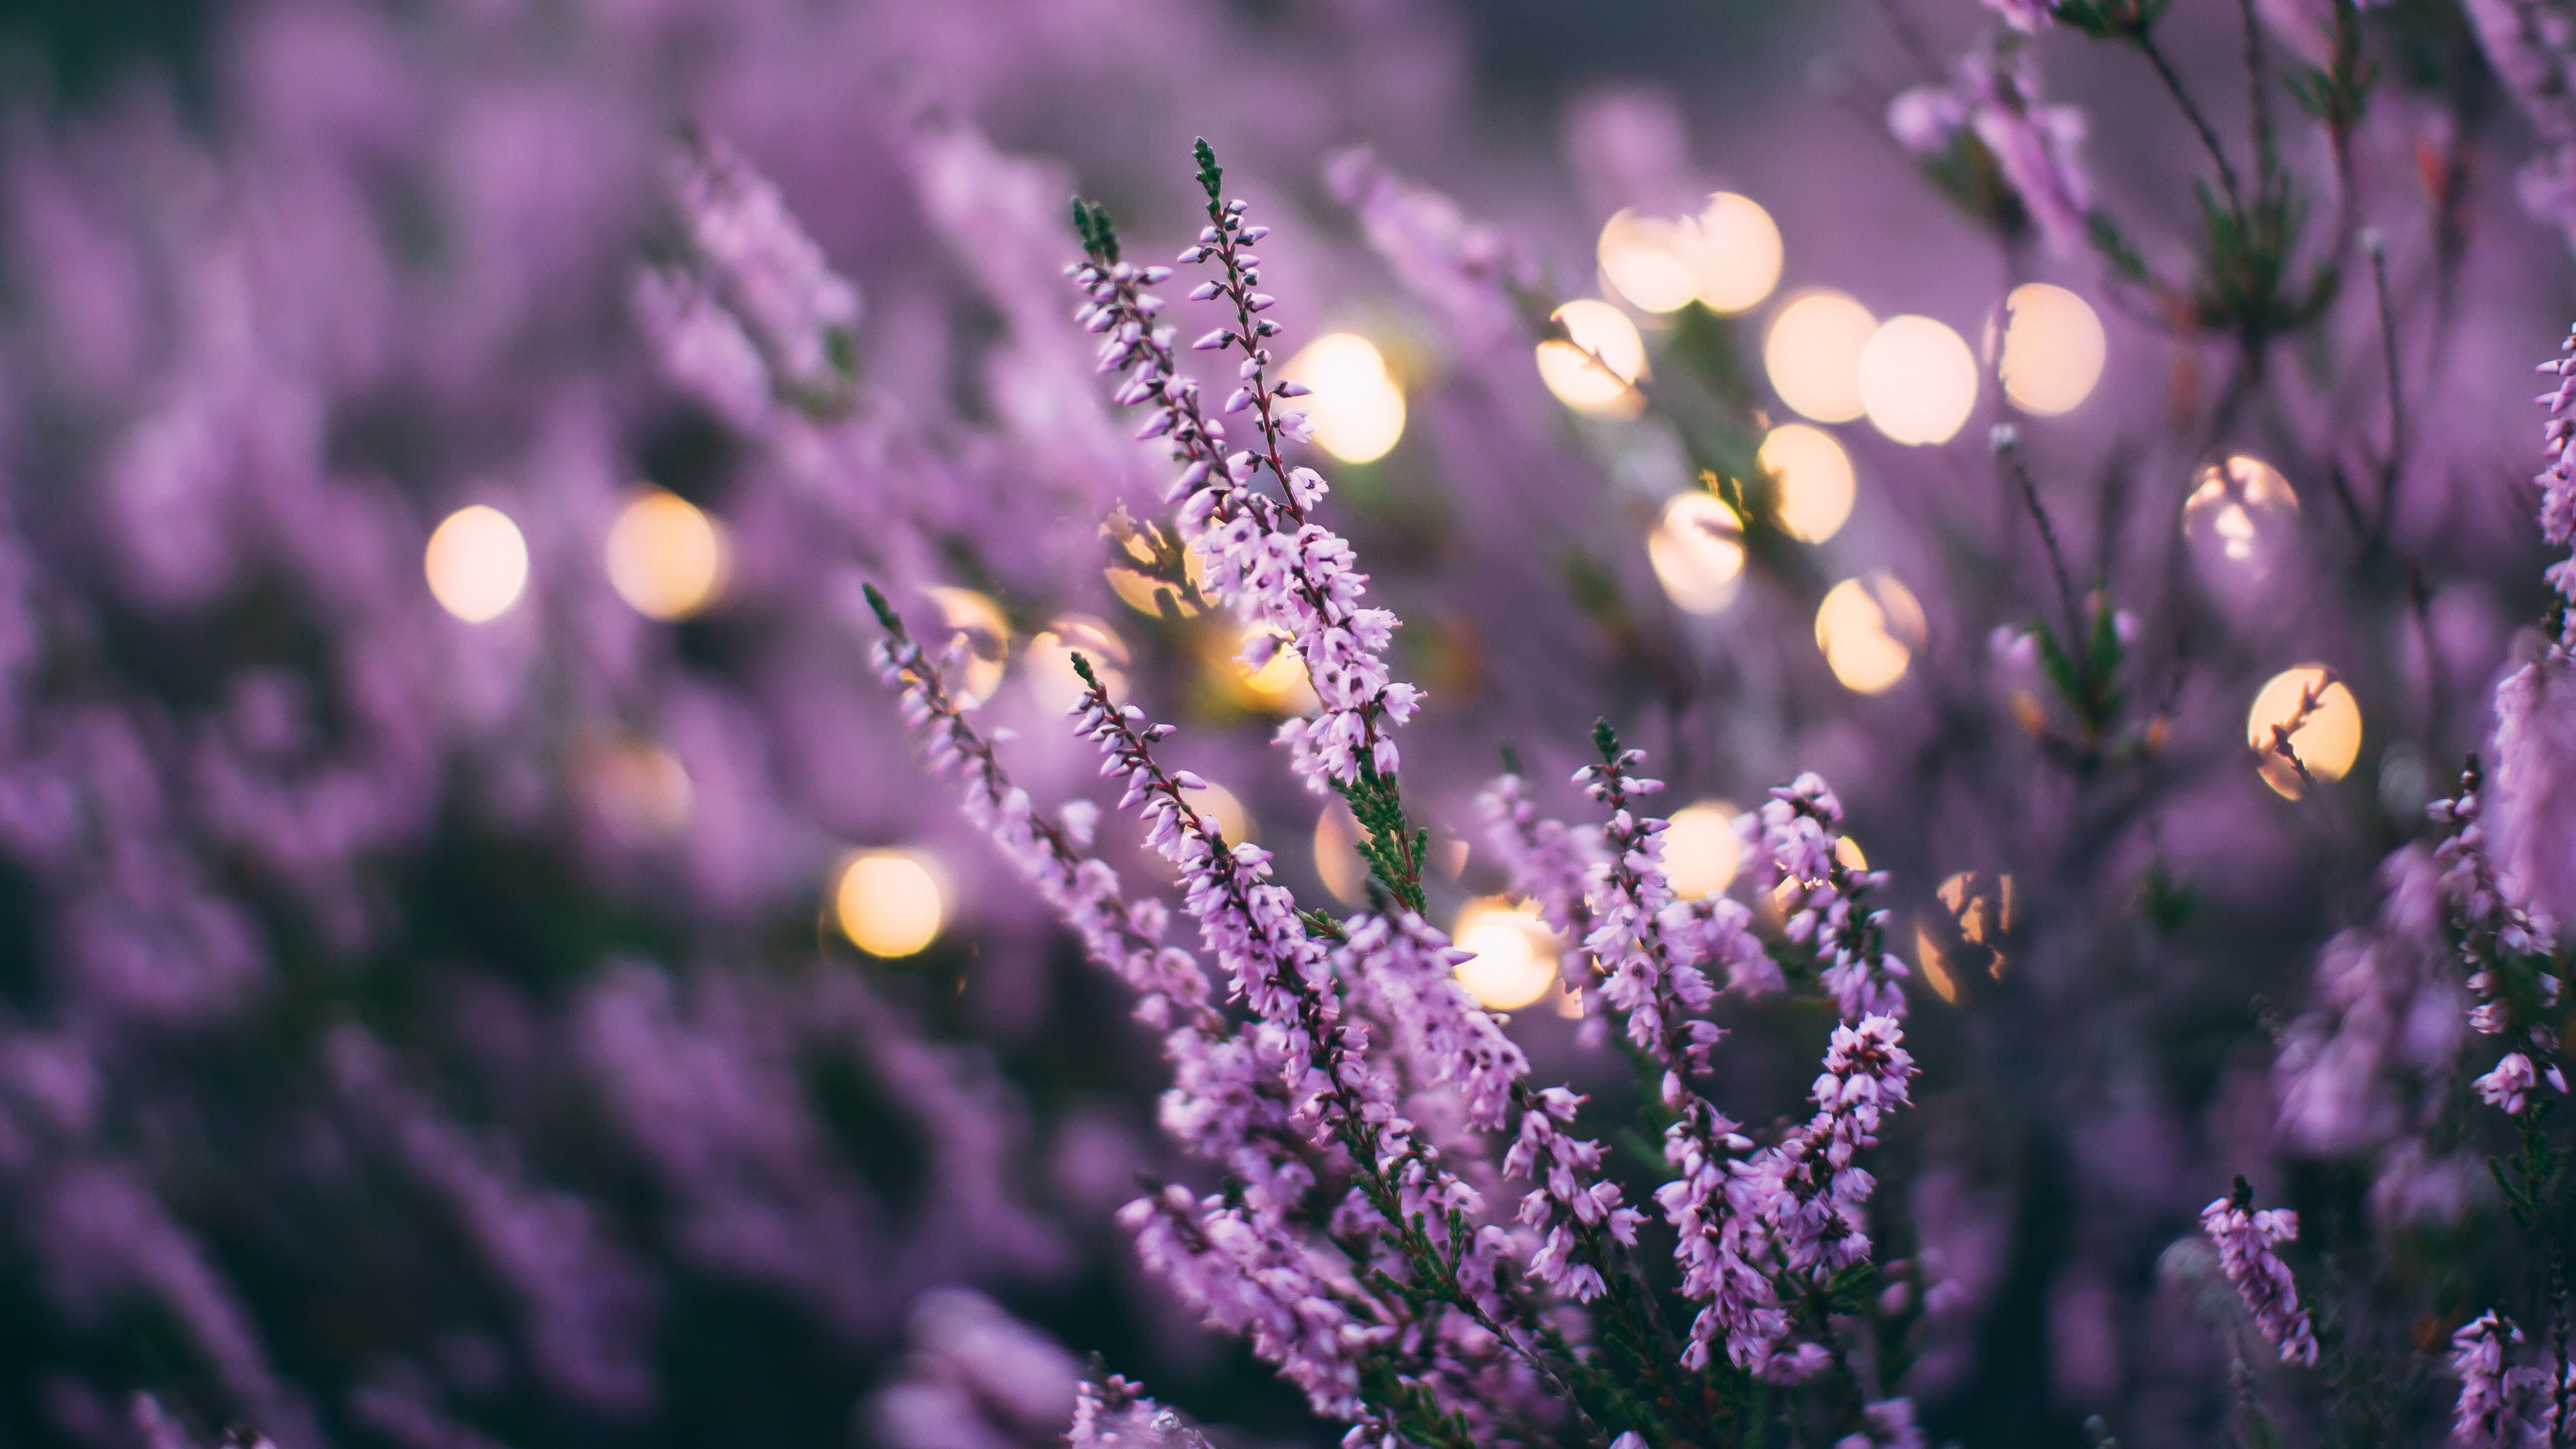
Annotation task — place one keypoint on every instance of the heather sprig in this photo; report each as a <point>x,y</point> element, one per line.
<point>1263,554</point>
<point>771,277</point>
<point>1827,901</point>
<point>1226,1101</point>
<point>1409,1214</point>
<point>2248,1245</point>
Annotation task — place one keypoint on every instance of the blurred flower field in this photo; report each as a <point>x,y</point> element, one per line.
<point>1269,722</point>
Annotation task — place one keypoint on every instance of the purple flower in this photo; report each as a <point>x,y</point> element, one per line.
<point>2034,146</point>
<point>2510,1085</point>
<point>2246,1242</point>
<point>2501,1406</point>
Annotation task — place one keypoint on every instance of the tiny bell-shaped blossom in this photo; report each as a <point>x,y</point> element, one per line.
<point>2247,1243</point>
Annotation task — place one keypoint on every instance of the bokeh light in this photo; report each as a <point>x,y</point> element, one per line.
<point>1701,849</point>
<point>666,557</point>
<point>2053,349</point>
<point>2241,512</point>
<point>1647,260</point>
<point>1337,855</point>
<point>1050,660</point>
<point>1966,938</point>
<point>1934,963</point>
<point>1917,380</point>
<point>2327,740</point>
<point>1697,548</point>
<point>890,903</point>
<point>1357,408</point>
<point>1141,590</point>
<point>1592,374</point>
<point>477,562</point>
<point>1812,480</point>
<point>1279,686</point>
<point>1983,907</point>
<point>1515,955</point>
<point>987,631</point>
<point>1869,629</point>
<point>1217,805</point>
<point>1728,257</point>
<point>641,788</point>
<point>1738,255</point>
<point>1812,354</point>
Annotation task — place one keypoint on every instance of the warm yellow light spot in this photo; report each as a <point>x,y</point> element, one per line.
<point>477,564</point>
<point>1785,892</point>
<point>1697,549</point>
<point>1738,254</point>
<point>1927,954</point>
<point>1918,380</point>
<point>1869,629</point>
<point>890,902</point>
<point>2243,509</point>
<point>1812,354</point>
<point>1648,260</point>
<point>2054,349</point>
<point>1337,855</point>
<point>1136,576</point>
<point>1217,806</point>
<point>1593,373</point>
<point>666,558</point>
<point>1812,481</point>
<point>641,788</point>
<point>1279,685</point>
<point>2326,740</point>
<point>1701,849</point>
<point>1983,908</point>
<point>1357,409</point>
<point>1450,856</point>
<point>987,632</point>
<point>1515,960</point>
<point>1566,1001</point>
<point>1050,660</point>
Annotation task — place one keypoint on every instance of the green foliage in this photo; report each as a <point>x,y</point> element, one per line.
<point>1211,175</point>
<point>2244,285</point>
<point>2110,19</point>
<point>2116,250</point>
<point>2336,93</point>
<point>2086,678</point>
<point>1392,846</point>
<point>1091,224</point>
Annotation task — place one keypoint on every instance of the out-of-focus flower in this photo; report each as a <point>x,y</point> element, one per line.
<point>2248,1243</point>
<point>1993,107</point>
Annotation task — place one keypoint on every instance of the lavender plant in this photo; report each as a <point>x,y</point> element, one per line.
<point>416,1031</point>
<point>1350,1240</point>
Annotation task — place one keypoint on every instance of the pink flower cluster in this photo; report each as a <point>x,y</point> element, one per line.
<point>1225,1102</point>
<point>2502,1405</point>
<point>1572,1205</point>
<point>1996,98</point>
<point>1116,1414</point>
<point>1550,864</point>
<point>1264,557</point>
<point>1801,835</point>
<point>1660,995</point>
<point>2247,1243</point>
<point>772,279</point>
<point>1808,1190</point>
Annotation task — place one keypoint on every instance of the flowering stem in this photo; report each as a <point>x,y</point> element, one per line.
<point>2396,394</point>
<point>2009,448</point>
<point>1380,1156</point>
<point>2145,41</point>
<point>1241,276</point>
